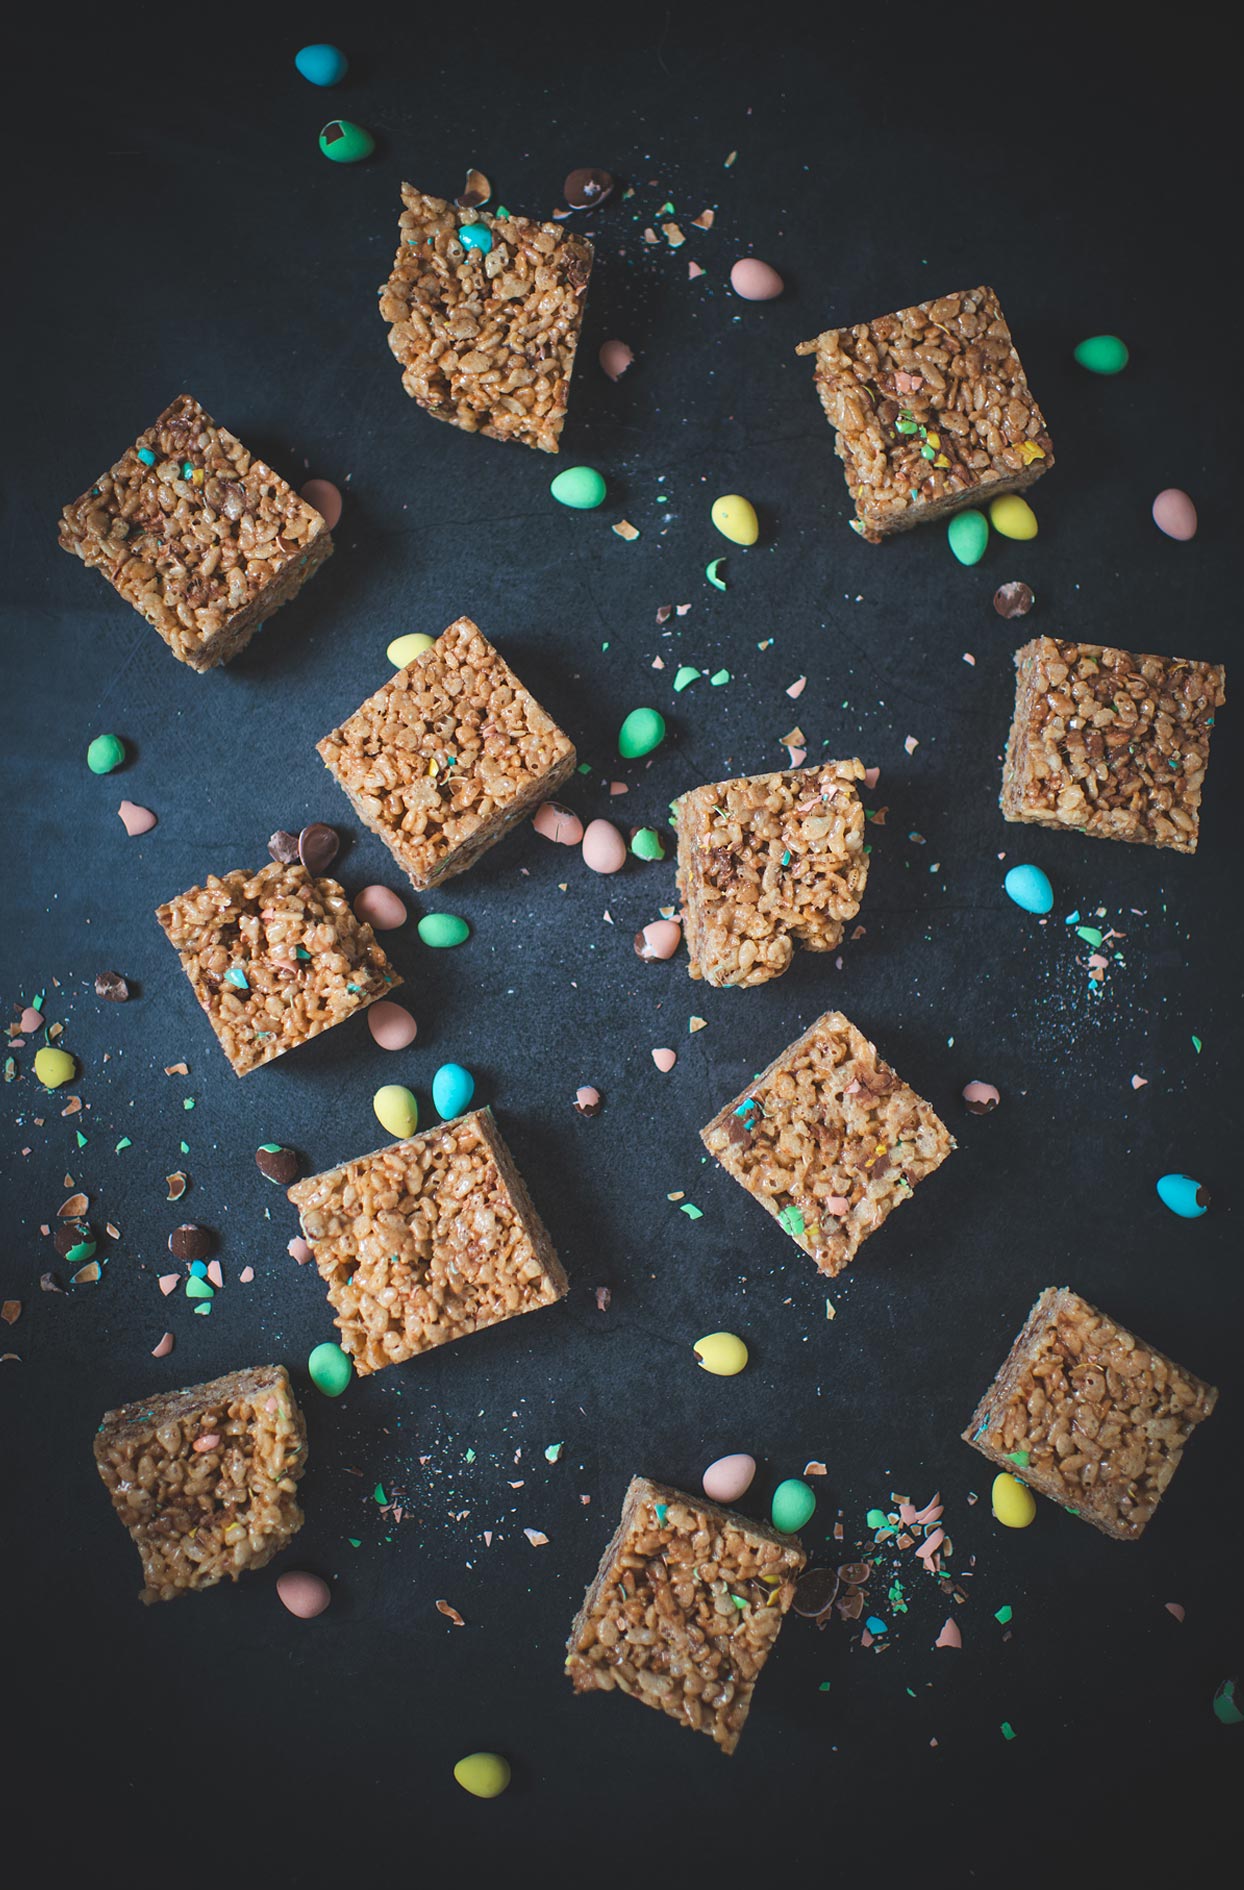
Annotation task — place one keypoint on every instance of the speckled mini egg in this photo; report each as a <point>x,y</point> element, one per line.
<point>380,908</point>
<point>452,1090</point>
<point>1175,514</point>
<point>754,280</point>
<point>604,849</point>
<point>1029,888</point>
<point>729,1478</point>
<point>391,1025</point>
<point>303,1594</point>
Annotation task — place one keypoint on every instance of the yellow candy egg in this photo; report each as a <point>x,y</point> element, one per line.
<point>1013,517</point>
<point>735,518</point>
<point>721,1353</point>
<point>54,1067</point>
<point>396,1110</point>
<point>483,1774</point>
<point>405,649</point>
<point>1013,1502</point>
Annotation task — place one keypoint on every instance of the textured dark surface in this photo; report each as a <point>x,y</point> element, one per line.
<point>176,229</point>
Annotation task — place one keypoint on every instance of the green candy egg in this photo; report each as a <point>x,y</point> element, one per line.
<point>792,1506</point>
<point>440,930</point>
<point>105,753</point>
<point>346,143</point>
<point>642,731</point>
<point>330,1369</point>
<point>1102,354</point>
<point>968,534</point>
<point>648,845</point>
<point>579,487</point>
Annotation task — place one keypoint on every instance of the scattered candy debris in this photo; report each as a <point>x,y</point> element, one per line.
<point>585,188</point>
<point>625,529</point>
<point>659,940</point>
<point>949,1636</point>
<point>165,1346</point>
<point>1183,1196</point>
<point>665,1060</point>
<point>536,1537</point>
<point>1225,1709</point>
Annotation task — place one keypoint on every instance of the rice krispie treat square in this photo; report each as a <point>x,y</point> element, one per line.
<point>204,540</point>
<point>931,411</point>
<point>426,1241</point>
<point>206,1479</point>
<point>274,958</point>
<point>829,1141</point>
<point>449,755</point>
<point>685,1609</point>
<point>768,862</point>
<point>1088,1414</point>
<point>484,315</point>
<point>1110,744</point>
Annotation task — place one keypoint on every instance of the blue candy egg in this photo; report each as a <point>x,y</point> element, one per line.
<point>1029,888</point>
<point>322,65</point>
<point>476,236</point>
<point>1183,1196</point>
<point>452,1090</point>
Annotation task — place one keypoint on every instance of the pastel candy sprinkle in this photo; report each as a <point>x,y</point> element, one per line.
<point>1029,888</point>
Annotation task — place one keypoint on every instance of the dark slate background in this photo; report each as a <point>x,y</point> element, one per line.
<point>174,227</point>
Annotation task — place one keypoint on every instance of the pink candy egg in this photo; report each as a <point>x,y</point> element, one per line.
<point>381,909</point>
<point>1175,514</point>
<point>391,1026</point>
<point>604,849</point>
<point>754,280</point>
<point>552,822</point>
<point>729,1478</point>
<point>136,819</point>
<point>325,499</point>
<point>303,1594</point>
<point>665,1060</point>
<point>615,357</point>
<point>661,939</point>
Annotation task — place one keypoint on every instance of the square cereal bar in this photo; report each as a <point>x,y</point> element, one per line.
<point>449,755</point>
<point>1089,1415</point>
<point>828,1140</point>
<point>1110,744</point>
<point>486,328</point>
<point>931,411</point>
<point>768,862</point>
<point>274,958</point>
<point>206,1479</point>
<point>684,1610</point>
<point>426,1241</point>
<point>202,539</point>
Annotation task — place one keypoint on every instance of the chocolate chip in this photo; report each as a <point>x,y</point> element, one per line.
<point>583,190</point>
<point>738,1131</point>
<point>318,847</point>
<point>1013,600</point>
<point>111,985</point>
<point>190,1242</point>
<point>71,1234</point>
<point>284,847</point>
<point>277,1163</point>
<point>815,1592</point>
